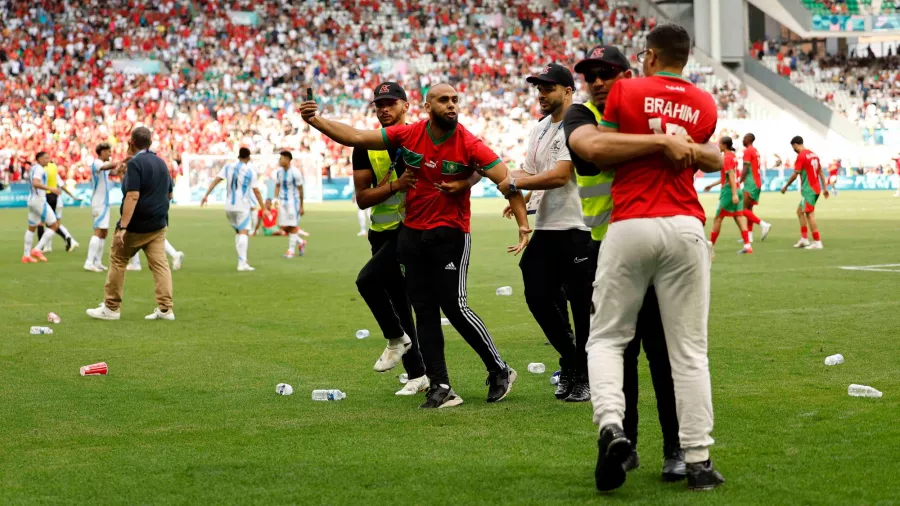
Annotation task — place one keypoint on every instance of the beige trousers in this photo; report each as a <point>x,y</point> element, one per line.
<point>154,246</point>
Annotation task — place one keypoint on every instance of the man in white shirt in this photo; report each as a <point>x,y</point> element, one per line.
<point>557,258</point>
<point>241,180</point>
<point>100,168</point>
<point>289,198</point>
<point>39,211</point>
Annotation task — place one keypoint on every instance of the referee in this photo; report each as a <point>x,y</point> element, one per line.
<point>381,186</point>
<point>55,203</point>
<point>435,244</point>
<point>557,257</point>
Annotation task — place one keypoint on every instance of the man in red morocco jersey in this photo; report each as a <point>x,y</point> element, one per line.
<point>729,203</point>
<point>812,181</point>
<point>655,236</point>
<point>752,181</point>
<point>434,245</point>
<point>833,170</point>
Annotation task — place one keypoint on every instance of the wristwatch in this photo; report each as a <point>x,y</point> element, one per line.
<point>512,185</point>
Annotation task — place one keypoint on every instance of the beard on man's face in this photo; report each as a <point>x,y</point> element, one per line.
<point>445,123</point>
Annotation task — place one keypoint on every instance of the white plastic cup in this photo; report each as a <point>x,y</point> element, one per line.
<point>362,334</point>
<point>284,389</point>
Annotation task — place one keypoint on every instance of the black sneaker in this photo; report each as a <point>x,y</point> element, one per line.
<point>613,449</point>
<point>673,468</point>
<point>499,384</point>
<point>564,387</point>
<point>632,462</point>
<point>702,476</point>
<point>581,391</point>
<point>441,396</point>
<point>69,244</point>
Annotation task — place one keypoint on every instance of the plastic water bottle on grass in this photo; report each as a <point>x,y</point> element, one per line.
<point>504,290</point>
<point>863,391</point>
<point>41,330</point>
<point>537,368</point>
<point>404,378</point>
<point>554,380</point>
<point>362,334</point>
<point>328,395</point>
<point>834,359</point>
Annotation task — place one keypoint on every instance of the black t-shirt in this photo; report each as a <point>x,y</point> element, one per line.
<point>361,162</point>
<point>149,175</point>
<point>577,116</point>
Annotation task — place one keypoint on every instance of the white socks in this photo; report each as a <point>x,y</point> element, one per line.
<point>241,243</point>
<point>170,250</point>
<point>29,242</point>
<point>65,232</point>
<point>100,250</point>
<point>293,240</point>
<point>363,218</point>
<point>46,238</point>
<point>93,254</point>
<point>136,260</point>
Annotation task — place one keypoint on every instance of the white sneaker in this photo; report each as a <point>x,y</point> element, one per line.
<point>362,233</point>
<point>92,268</point>
<point>133,267</point>
<point>393,353</point>
<point>815,245</point>
<point>159,315</point>
<point>245,267</point>
<point>178,260</point>
<point>47,249</point>
<point>414,386</point>
<point>802,243</point>
<point>101,266</point>
<point>72,245</point>
<point>103,313</point>
<point>766,227</point>
<point>302,232</point>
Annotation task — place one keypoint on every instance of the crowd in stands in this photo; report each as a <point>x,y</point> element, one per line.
<point>236,80</point>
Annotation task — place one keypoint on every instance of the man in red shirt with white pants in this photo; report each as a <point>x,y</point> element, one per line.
<point>435,244</point>
<point>655,236</point>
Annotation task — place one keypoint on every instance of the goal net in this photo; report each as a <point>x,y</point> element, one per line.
<point>198,171</point>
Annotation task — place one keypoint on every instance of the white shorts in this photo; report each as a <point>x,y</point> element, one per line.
<point>101,217</point>
<point>288,216</point>
<point>240,220</point>
<point>38,214</point>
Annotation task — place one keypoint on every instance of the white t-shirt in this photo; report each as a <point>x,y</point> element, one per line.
<point>37,197</point>
<point>559,208</point>
<point>289,180</point>
<point>100,184</point>
<point>241,179</point>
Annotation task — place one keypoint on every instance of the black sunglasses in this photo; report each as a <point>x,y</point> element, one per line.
<point>591,75</point>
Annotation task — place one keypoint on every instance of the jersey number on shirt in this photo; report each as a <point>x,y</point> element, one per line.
<point>671,129</point>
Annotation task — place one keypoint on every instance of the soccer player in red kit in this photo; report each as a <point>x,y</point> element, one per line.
<point>655,133</point>
<point>434,245</point>
<point>833,170</point>
<point>729,203</point>
<point>752,180</point>
<point>812,181</point>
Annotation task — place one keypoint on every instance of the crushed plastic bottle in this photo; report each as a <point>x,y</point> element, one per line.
<point>362,334</point>
<point>328,395</point>
<point>537,368</point>
<point>834,359</point>
<point>404,378</point>
<point>445,322</point>
<point>554,380</point>
<point>863,391</point>
<point>41,330</point>
<point>504,290</point>
<point>284,389</point>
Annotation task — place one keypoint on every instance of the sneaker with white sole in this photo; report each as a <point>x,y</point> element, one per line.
<point>414,386</point>
<point>92,268</point>
<point>815,245</point>
<point>71,244</point>
<point>441,396</point>
<point>103,313</point>
<point>157,314</point>
<point>177,260</point>
<point>393,353</point>
<point>746,250</point>
<point>133,267</point>
<point>245,267</point>
<point>766,228</point>
<point>101,266</point>
<point>802,243</point>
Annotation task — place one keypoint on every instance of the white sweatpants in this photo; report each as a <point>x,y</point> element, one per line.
<point>673,255</point>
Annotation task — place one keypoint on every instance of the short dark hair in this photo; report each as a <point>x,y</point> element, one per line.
<point>39,155</point>
<point>797,140</point>
<point>103,146</point>
<point>671,43</point>
<point>751,137</point>
<point>141,138</point>
<point>727,142</point>
<point>243,153</point>
<point>287,154</point>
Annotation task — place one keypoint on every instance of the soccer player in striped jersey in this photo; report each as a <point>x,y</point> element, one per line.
<point>289,196</point>
<point>100,172</point>
<point>241,180</point>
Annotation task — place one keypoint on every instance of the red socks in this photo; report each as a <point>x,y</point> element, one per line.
<point>713,236</point>
<point>816,235</point>
<point>745,235</point>
<point>751,218</point>
<point>804,232</point>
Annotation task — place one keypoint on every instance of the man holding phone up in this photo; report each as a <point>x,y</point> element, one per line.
<point>434,245</point>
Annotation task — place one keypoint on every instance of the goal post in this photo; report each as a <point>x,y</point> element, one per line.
<point>198,171</point>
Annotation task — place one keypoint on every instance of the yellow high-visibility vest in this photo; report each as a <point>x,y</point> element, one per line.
<point>596,194</point>
<point>389,214</point>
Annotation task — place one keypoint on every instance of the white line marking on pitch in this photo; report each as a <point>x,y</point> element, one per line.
<point>872,268</point>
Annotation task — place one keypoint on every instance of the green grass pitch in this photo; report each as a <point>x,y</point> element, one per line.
<point>189,415</point>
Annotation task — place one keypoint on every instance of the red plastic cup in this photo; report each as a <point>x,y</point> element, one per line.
<point>53,318</point>
<point>100,369</point>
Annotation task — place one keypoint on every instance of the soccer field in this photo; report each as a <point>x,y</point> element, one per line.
<point>189,414</point>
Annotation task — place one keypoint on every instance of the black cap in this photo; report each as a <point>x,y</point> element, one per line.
<point>390,90</point>
<point>606,56</point>
<point>553,74</point>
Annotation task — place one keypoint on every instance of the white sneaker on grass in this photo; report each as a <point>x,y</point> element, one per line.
<point>177,260</point>
<point>103,313</point>
<point>815,245</point>
<point>92,268</point>
<point>414,386</point>
<point>157,314</point>
<point>245,267</point>
<point>802,243</point>
<point>393,353</point>
<point>766,228</point>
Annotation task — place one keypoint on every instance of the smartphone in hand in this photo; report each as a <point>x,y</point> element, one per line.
<point>309,95</point>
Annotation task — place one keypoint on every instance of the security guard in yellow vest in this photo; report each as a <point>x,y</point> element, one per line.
<point>381,185</point>
<point>603,66</point>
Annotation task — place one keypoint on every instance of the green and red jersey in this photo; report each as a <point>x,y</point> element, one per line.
<point>650,187</point>
<point>449,158</point>
<point>807,165</point>
<point>729,164</point>
<point>751,163</point>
